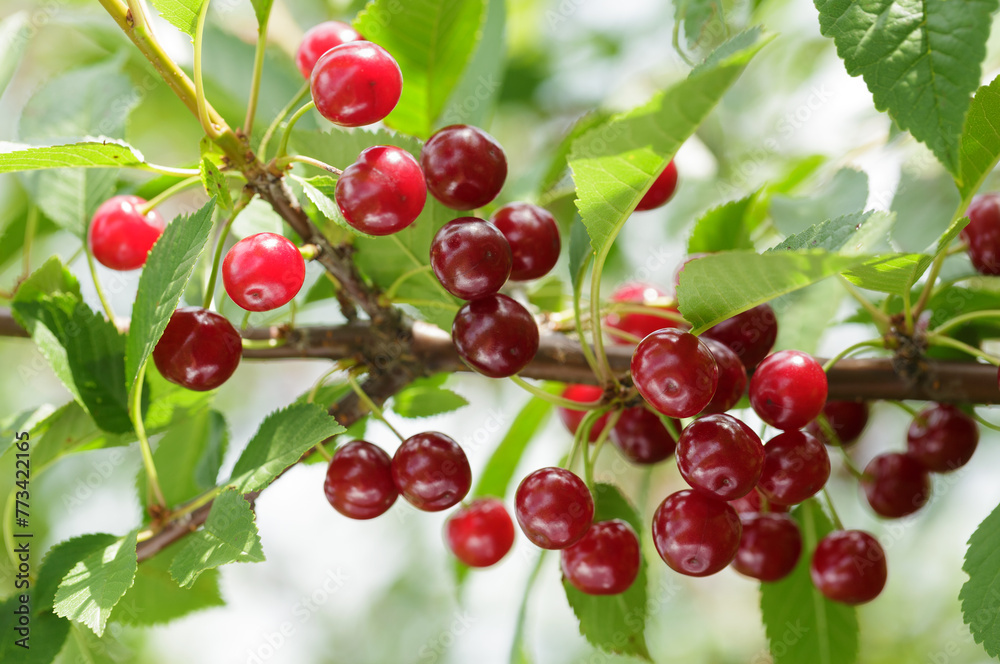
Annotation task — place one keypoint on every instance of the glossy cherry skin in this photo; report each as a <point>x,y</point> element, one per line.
<point>717,455</point>
<point>770,546</point>
<point>533,236</point>
<point>696,534</point>
<point>942,438</point>
<point>465,167</point>
<point>480,533</point>
<point>359,481</point>
<point>641,437</point>
<point>495,335</point>
<point>896,485</point>
<point>605,561</point>
<point>983,233</point>
<point>732,378</point>
<point>119,236</point>
<point>788,389</point>
<point>796,467</point>
<point>662,190</point>
<point>383,192</point>
<point>572,418</point>
<point>753,503</point>
<point>263,271</point>
<point>848,566</point>
<point>198,350</point>
<point>318,40</point>
<point>637,325</point>
<point>470,257</point>
<point>553,507</point>
<point>356,84</point>
<point>847,419</point>
<point>675,372</point>
<point>431,471</point>
<point>751,334</point>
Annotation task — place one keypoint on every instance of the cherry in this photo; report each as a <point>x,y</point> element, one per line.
<point>495,335</point>
<point>480,533</point>
<point>263,271</point>
<point>198,350</point>
<point>848,566</point>
<point>383,192</point>
<point>605,561</point>
<point>553,507</point>
<point>732,378</point>
<point>847,419</point>
<point>572,418</point>
<point>662,189</point>
<point>533,236</point>
<point>641,437</point>
<point>942,438</point>
<point>675,372</point>
<point>896,485</point>
<point>355,84</point>
<point>470,257</point>
<point>637,325</point>
<point>318,40</point>
<point>120,236</point>
<point>465,167</point>
<point>788,389</point>
<point>753,503</point>
<point>359,481</point>
<point>431,471</point>
<point>717,455</point>
<point>796,466</point>
<point>696,534</point>
<point>769,547</point>
<point>750,334</point>
<point>983,233</point>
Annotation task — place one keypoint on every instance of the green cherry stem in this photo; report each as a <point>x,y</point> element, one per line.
<point>870,343</point>
<point>517,649</point>
<point>555,399</point>
<point>97,284</point>
<point>390,292</point>
<point>904,407</point>
<point>284,162</point>
<point>220,245</point>
<point>371,405</point>
<point>659,312</point>
<point>939,340</point>
<point>604,371</point>
<point>170,191</point>
<point>258,70</point>
<point>599,443</point>
<point>279,118</point>
<point>30,224</point>
<point>135,410</point>
<point>199,84</point>
<point>881,318</point>
<point>833,511</point>
<point>965,318</point>
<point>283,143</point>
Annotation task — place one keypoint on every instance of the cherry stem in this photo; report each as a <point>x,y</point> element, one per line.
<point>881,318</point>
<point>986,423</point>
<point>965,318</point>
<point>283,163</point>
<point>417,263</point>
<point>849,463</point>
<point>517,647</point>
<point>622,334</point>
<point>258,344</point>
<point>555,399</point>
<point>152,481</point>
<point>220,245</point>
<point>258,70</point>
<point>649,310</point>
<point>199,83</point>
<point>390,292</point>
<point>909,409</point>
<point>97,284</point>
<point>612,421</point>
<point>925,294</point>
<point>907,312</point>
<point>283,143</point>
<point>604,372</point>
<point>588,353</point>
<point>871,343</point>
<point>833,511</point>
<point>668,423</point>
<point>282,114</point>
<point>309,252</point>
<point>371,405</point>
<point>170,191</point>
<point>30,224</point>
<point>938,340</point>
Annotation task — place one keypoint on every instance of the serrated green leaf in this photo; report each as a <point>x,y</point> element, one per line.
<point>850,235</point>
<point>801,624</point>
<point>215,183</point>
<point>95,153</point>
<point>89,592</point>
<point>696,15</point>
<point>58,562</point>
<point>559,162</point>
<point>322,190</point>
<point>164,277</point>
<point>979,594</point>
<point>40,645</point>
<point>182,14</point>
<point>919,58</point>
<point>980,143</point>
<point>723,228</point>
<point>845,193</point>
<point>499,471</point>
<point>894,273</point>
<point>432,40</point>
<point>27,421</point>
<point>14,35</point>
<point>190,454</point>
<point>416,402</point>
<point>228,536</point>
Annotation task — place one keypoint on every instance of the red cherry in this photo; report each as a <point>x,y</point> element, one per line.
<point>356,84</point>
<point>849,567</point>
<point>796,467</point>
<point>553,507</point>
<point>750,334</point>
<point>318,40</point>
<point>383,192</point>
<point>480,533</point>
<point>465,167</point>
<point>675,372</point>
<point>533,236</point>
<point>495,335</point>
<point>732,378</point>
<point>788,389</point>
<point>696,534</point>
<point>717,455</point>
<point>847,419</point>
<point>572,418</point>
<point>359,481</point>
<point>470,257</point>
<point>119,236</point>
<point>769,547</point>
<point>431,471</point>
<point>605,561</point>
<point>641,437</point>
<point>263,272</point>
<point>199,349</point>
<point>662,189</point>
<point>942,438</point>
<point>896,485</point>
<point>983,233</point>
<point>637,325</point>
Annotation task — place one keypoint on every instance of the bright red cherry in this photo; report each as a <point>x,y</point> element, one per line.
<point>572,418</point>
<point>383,192</point>
<point>120,236</point>
<point>356,84</point>
<point>470,257</point>
<point>641,437</point>
<point>359,481</point>
<point>788,389</point>
<point>732,378</point>
<point>533,236</point>
<point>465,167</point>
<point>199,349</point>
<point>942,438</point>
<point>983,233</point>
<point>431,471</point>
<point>718,456</point>
<point>605,561</point>
<point>847,419</point>
<point>750,334</point>
<point>637,325</point>
<point>675,372</point>
<point>480,533</point>
<point>495,335</point>
<point>318,40</point>
<point>848,566</point>
<point>896,485</point>
<point>796,467</point>
<point>553,507</point>
<point>263,271</point>
<point>753,503</point>
<point>696,534</point>
<point>769,547</point>
<point>662,189</point>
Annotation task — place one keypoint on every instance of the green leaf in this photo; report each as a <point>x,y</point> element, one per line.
<point>321,190</point>
<point>696,15</point>
<point>416,402</point>
<point>14,35</point>
<point>182,14</point>
<point>474,98</point>
<point>432,40</point>
<point>283,437</point>
<point>580,252</point>
<point>58,562</point>
<point>190,454</point>
<point>801,624</point>
<point>723,228</point>
<point>614,623</point>
<point>499,471</point>
<point>97,153</point>
<point>980,144</point>
<point>979,594</point>
<point>262,8</point>
<point>28,420</point>
<point>919,58</point>
<point>215,183</point>
<point>846,192</point>
<point>806,314</point>
<point>926,204</point>
<point>548,293</point>
<point>91,589</point>
<point>851,235</point>
<point>41,644</point>
<point>228,536</point>
<point>168,268</point>
<point>559,162</point>
<point>894,273</point>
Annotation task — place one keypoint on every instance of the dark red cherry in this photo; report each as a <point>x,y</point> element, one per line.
<point>662,189</point>
<point>769,547</point>
<point>675,372</point>
<point>553,507</point>
<point>718,456</point>
<point>356,84</point>
<point>465,167</point>
<point>120,236</point>
<point>847,419</point>
<point>470,257</point>
<point>732,378</point>
<point>942,438</point>
<point>480,533</point>
<point>533,236</point>
<point>696,534</point>
<point>263,272</point>
<point>572,418</point>
<point>796,467</point>
<point>641,437</point>
<point>751,334</point>
<point>431,471</point>
<point>983,233</point>
<point>896,485</point>
<point>788,389</point>
<point>633,324</point>
<point>383,192</point>
<point>199,349</point>
<point>359,481</point>
<point>753,503</point>
<point>495,335</point>
<point>849,567</point>
<point>318,40</point>
<point>605,561</point>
